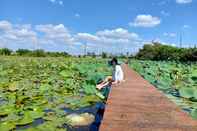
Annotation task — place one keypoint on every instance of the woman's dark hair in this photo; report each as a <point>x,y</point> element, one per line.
<point>113,60</point>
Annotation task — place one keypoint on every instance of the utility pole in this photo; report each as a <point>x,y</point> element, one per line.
<point>35,42</point>
<point>85,49</point>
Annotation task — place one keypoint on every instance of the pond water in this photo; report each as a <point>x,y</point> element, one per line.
<point>97,110</point>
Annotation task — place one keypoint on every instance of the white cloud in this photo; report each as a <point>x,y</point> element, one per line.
<point>5,25</point>
<point>107,41</point>
<point>53,1</point>
<point>17,36</point>
<point>118,33</point>
<point>186,26</point>
<point>58,38</point>
<point>163,42</point>
<point>87,37</point>
<point>16,32</point>
<point>24,33</point>
<point>116,36</point>
<point>161,2</point>
<point>115,40</point>
<point>52,29</point>
<point>183,1</point>
<point>24,36</point>
<point>55,32</point>
<point>60,2</point>
<point>145,21</point>
<point>170,34</point>
<point>77,15</point>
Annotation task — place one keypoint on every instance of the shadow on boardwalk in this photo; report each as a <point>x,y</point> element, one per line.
<point>136,105</point>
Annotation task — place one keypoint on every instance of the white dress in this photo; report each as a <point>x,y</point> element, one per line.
<point>118,73</point>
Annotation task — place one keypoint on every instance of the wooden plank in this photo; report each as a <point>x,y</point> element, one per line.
<point>136,105</point>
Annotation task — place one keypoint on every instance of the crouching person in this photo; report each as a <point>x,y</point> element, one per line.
<point>117,75</point>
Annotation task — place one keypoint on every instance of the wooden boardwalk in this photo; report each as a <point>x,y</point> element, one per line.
<point>136,105</point>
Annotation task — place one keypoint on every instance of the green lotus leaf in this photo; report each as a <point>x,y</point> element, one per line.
<point>162,85</point>
<point>44,87</point>
<point>12,117</point>
<point>3,73</point>
<point>36,113</point>
<point>7,126</point>
<point>186,92</point>
<point>28,83</point>
<point>50,116</point>
<point>21,99</point>
<point>12,87</point>
<point>194,114</point>
<point>89,89</point>
<point>49,125</point>
<point>195,92</point>
<point>32,129</point>
<point>73,102</point>
<point>94,78</point>
<point>166,79</point>
<point>149,78</point>
<point>66,74</point>
<point>6,109</point>
<point>27,119</point>
<point>12,98</point>
<point>89,99</point>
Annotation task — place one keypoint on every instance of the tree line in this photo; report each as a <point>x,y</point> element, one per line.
<point>157,51</point>
<point>153,51</point>
<point>32,53</point>
<point>42,53</point>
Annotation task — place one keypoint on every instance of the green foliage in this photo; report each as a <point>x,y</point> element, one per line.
<point>187,92</point>
<point>23,52</point>
<point>104,55</point>
<point>157,51</point>
<point>32,53</point>
<point>91,54</point>
<point>5,51</point>
<point>194,114</point>
<point>38,53</point>
<point>28,86</point>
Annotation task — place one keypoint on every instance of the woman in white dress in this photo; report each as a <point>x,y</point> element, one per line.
<point>117,75</point>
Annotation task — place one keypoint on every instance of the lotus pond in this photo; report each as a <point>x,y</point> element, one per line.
<point>49,93</point>
<point>177,80</point>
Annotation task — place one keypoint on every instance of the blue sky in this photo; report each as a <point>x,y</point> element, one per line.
<point>104,25</point>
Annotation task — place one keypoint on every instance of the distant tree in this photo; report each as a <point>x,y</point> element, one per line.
<point>23,52</point>
<point>56,54</point>
<point>5,51</point>
<point>38,53</point>
<point>157,51</point>
<point>66,54</point>
<point>104,55</point>
<point>189,54</point>
<point>122,56</point>
<point>92,54</point>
